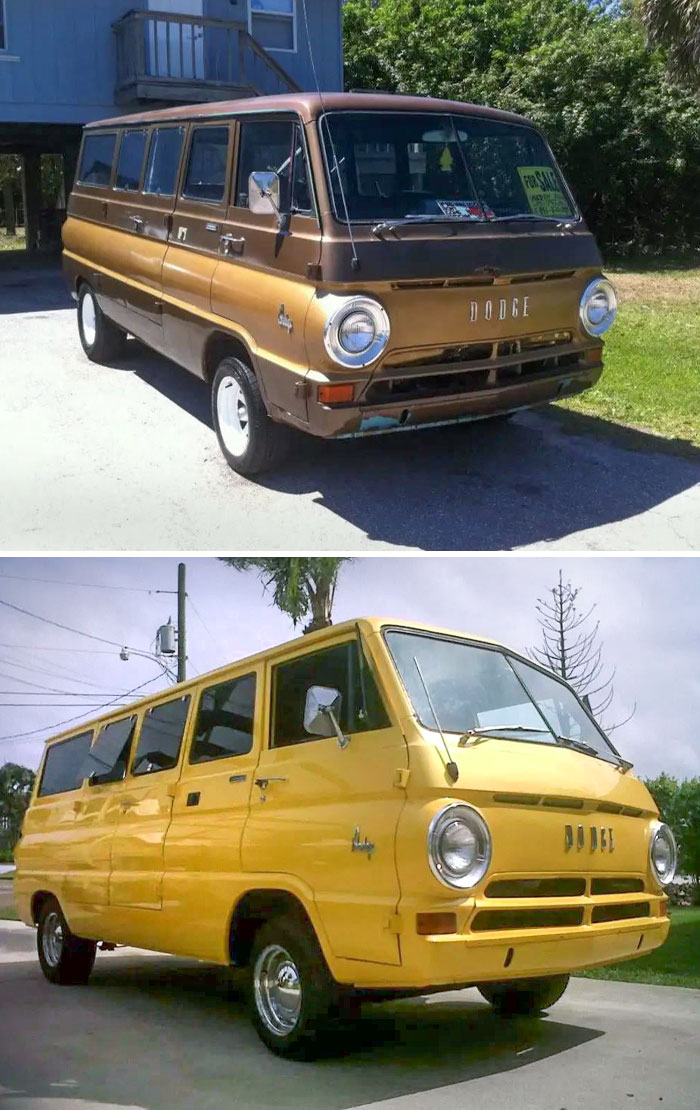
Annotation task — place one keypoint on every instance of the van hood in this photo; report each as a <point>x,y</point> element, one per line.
<point>426,251</point>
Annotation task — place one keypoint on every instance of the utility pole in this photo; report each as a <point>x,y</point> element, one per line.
<point>181,606</point>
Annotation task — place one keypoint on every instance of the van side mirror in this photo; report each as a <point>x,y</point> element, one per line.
<point>264,191</point>
<point>321,711</point>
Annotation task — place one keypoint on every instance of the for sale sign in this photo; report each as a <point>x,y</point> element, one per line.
<point>543,191</point>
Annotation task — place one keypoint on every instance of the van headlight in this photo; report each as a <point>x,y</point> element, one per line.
<point>663,854</point>
<point>356,332</point>
<point>459,846</point>
<point>598,306</point>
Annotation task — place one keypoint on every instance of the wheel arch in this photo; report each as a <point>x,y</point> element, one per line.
<point>258,906</point>
<point>220,345</point>
<point>38,901</point>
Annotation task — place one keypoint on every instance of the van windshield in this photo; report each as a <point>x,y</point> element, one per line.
<point>487,692</point>
<point>408,165</point>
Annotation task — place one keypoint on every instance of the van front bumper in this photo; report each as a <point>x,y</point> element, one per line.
<point>361,419</point>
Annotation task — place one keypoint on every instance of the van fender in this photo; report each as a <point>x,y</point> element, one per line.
<point>269,896</point>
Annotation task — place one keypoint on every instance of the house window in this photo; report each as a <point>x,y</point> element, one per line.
<point>273,23</point>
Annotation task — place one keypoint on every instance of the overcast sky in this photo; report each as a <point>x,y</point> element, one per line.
<point>649,612</point>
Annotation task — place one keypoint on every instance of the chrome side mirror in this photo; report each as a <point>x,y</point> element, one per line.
<point>264,193</point>
<point>321,712</point>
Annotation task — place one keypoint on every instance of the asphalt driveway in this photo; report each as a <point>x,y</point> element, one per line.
<point>152,1032</point>
<point>125,458</point>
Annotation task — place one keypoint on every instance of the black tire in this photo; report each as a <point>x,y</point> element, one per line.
<point>262,444</point>
<point>292,944</point>
<point>107,342</point>
<point>67,961</point>
<point>524,996</point>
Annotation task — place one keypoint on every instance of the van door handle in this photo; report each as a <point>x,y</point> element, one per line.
<point>137,222</point>
<point>127,803</point>
<point>262,783</point>
<point>231,245</point>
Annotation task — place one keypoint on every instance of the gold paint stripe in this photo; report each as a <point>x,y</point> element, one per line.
<point>211,317</point>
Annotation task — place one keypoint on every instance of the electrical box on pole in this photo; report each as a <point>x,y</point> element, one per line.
<point>166,638</point>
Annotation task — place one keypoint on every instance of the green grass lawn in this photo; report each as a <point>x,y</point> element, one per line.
<point>651,378</point>
<point>675,964</point>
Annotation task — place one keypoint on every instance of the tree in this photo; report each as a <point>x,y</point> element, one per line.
<point>16,785</point>
<point>626,134</point>
<point>675,24</point>
<point>570,646</point>
<point>300,586</point>
<point>679,807</point>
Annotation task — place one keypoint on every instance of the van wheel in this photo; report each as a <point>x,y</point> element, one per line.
<point>524,996</point>
<point>250,441</point>
<point>102,340</point>
<point>293,999</point>
<point>64,958</point>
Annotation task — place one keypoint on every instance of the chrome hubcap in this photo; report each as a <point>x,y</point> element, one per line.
<point>52,939</point>
<point>277,987</point>
<point>232,413</point>
<point>88,318</point>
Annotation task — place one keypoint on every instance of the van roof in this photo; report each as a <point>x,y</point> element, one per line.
<point>368,625</point>
<point>309,106</point>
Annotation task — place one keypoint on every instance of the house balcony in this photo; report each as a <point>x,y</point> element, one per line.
<point>178,59</point>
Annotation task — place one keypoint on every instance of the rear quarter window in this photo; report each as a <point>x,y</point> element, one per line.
<point>131,152</point>
<point>97,159</point>
<point>64,765</point>
<point>164,161</point>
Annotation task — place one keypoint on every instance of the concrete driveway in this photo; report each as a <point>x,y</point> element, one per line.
<point>124,458</point>
<point>156,1032</point>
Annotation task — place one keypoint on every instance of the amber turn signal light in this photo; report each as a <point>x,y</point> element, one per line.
<point>663,908</point>
<point>335,394</point>
<point>595,354</point>
<point>429,923</point>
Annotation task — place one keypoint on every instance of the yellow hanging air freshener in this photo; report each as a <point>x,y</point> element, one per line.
<point>446,159</point>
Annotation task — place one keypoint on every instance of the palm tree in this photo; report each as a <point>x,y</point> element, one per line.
<point>299,586</point>
<point>675,24</point>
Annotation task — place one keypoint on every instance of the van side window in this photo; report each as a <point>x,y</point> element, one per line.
<point>162,730</point>
<point>108,757</point>
<point>130,160</point>
<point>206,167</point>
<point>343,668</point>
<point>63,766</point>
<point>275,145</point>
<point>164,161</point>
<point>225,720</point>
<point>97,159</point>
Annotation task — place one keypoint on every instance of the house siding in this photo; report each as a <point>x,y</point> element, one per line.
<point>67,57</point>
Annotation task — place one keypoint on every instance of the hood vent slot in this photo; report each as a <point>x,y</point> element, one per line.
<point>537,888</point>
<point>623,885</point>
<point>487,920</point>
<point>621,912</point>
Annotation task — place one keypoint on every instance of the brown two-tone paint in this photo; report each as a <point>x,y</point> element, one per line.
<point>484,318</point>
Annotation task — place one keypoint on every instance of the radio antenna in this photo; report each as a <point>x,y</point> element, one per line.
<point>451,767</point>
<point>336,166</point>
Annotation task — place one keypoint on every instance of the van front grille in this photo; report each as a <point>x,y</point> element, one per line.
<point>621,885</point>
<point>471,367</point>
<point>537,888</point>
<point>495,920</point>
<point>622,912</point>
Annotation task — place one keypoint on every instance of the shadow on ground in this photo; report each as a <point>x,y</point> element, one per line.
<point>150,1034</point>
<point>480,486</point>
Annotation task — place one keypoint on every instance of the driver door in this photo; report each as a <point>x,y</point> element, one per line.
<point>266,275</point>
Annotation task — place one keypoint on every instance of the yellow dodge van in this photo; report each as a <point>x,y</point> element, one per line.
<point>346,264</point>
<point>375,809</point>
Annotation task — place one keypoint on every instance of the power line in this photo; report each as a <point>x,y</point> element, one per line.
<point>69,720</point>
<point>75,651</point>
<point>85,585</point>
<point>57,624</point>
<point>48,704</point>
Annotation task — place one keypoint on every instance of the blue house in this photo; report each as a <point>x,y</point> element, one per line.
<point>63,64</point>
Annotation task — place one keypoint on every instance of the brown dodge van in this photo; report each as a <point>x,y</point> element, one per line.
<point>344,265</point>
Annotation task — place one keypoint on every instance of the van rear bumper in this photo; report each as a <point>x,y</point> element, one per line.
<point>354,420</point>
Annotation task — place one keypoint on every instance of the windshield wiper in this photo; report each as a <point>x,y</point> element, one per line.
<point>578,745</point>
<point>566,222</point>
<point>486,731</point>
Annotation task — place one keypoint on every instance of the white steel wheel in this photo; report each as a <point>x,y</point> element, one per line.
<point>52,939</point>
<point>233,416</point>
<point>88,317</point>
<point>277,989</point>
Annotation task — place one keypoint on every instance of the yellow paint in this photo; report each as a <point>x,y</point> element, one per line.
<point>131,862</point>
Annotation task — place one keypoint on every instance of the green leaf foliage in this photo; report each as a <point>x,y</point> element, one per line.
<point>300,587</point>
<point>626,135</point>
<point>679,806</point>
